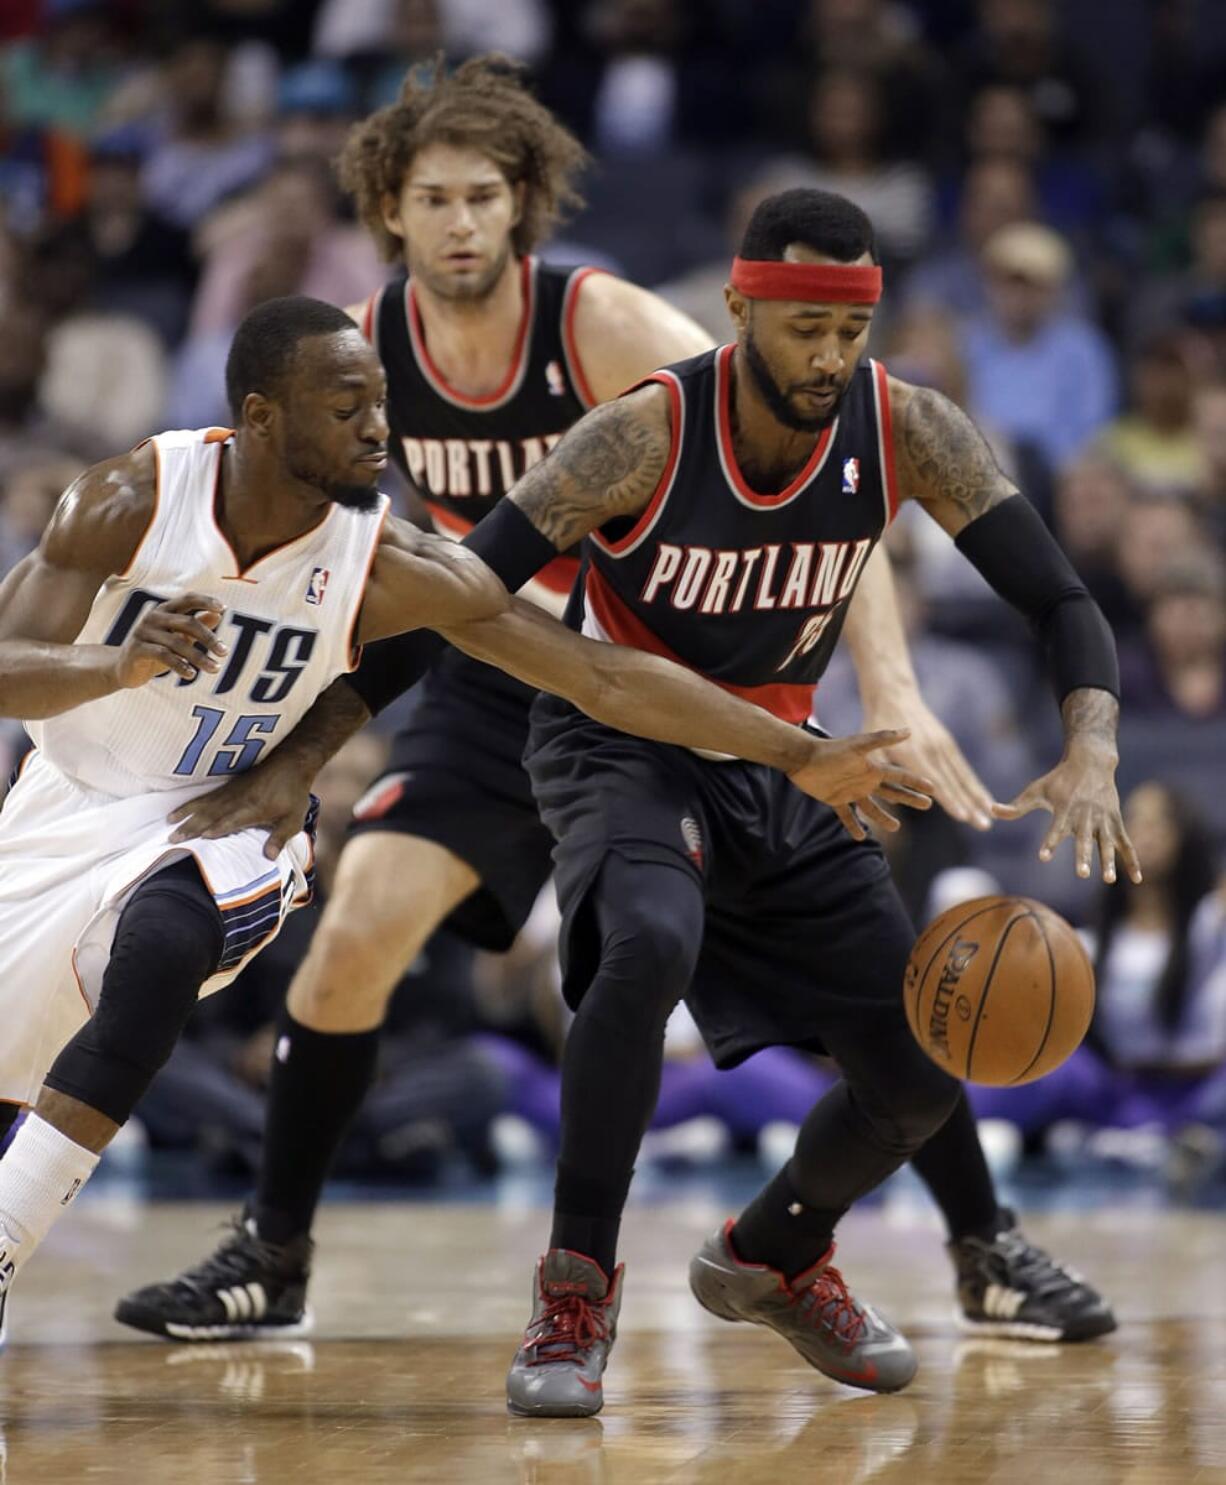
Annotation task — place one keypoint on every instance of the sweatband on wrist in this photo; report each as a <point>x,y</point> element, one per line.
<point>510,545</point>
<point>1021,559</point>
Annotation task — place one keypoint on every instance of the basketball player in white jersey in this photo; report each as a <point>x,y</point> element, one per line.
<point>490,354</point>
<point>188,603</point>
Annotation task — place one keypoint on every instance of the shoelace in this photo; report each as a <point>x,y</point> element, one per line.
<point>234,1259</point>
<point>1022,1258</point>
<point>567,1327</point>
<point>834,1308</point>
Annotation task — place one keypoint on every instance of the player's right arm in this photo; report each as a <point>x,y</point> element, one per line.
<point>45,600</point>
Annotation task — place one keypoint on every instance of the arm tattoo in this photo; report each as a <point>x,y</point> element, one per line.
<point>607,465</point>
<point>949,457</point>
<point>1091,714</point>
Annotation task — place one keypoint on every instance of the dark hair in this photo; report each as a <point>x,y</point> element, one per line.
<point>1193,875</point>
<point>484,105</point>
<point>262,351</point>
<point>820,220</point>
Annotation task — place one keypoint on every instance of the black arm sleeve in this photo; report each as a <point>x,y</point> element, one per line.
<point>511,546</point>
<point>1018,555</point>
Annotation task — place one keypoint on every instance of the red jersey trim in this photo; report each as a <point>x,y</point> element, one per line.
<point>519,355</point>
<point>727,455</point>
<point>789,702</point>
<point>558,576</point>
<point>370,314</point>
<point>570,346</point>
<point>885,440</point>
<point>660,494</point>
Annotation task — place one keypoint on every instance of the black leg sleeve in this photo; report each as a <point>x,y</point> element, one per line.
<point>167,943</point>
<point>649,918</point>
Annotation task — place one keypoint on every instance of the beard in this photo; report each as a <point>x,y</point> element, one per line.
<point>779,401</point>
<point>472,292</point>
<point>348,493</point>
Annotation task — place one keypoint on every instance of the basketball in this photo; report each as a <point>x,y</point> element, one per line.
<point>999,990</point>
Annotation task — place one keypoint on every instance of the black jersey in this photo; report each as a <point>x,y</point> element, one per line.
<point>750,589</point>
<point>464,453</point>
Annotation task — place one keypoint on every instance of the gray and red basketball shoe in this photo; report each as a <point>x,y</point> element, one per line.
<point>558,1369</point>
<point>815,1312</point>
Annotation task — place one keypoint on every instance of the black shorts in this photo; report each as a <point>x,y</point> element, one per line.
<point>804,928</point>
<point>456,777</point>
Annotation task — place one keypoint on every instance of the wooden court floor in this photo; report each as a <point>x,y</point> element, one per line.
<point>418,1308</point>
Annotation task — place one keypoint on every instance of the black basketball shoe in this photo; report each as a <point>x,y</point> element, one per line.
<point>247,1288</point>
<point>1008,1287</point>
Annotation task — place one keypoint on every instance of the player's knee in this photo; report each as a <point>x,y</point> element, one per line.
<point>168,942</point>
<point>913,1103</point>
<point>351,968</point>
<point>649,948</point>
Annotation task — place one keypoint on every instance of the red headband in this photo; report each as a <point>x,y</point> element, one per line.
<point>818,283</point>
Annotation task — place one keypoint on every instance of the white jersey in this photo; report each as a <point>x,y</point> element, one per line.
<point>289,623</point>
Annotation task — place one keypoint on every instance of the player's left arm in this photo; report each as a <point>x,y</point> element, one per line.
<point>943,462</point>
<point>890,696</point>
<point>623,333</point>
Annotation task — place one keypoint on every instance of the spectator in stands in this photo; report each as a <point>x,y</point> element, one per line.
<point>139,264</point>
<point>1002,123</point>
<point>646,78</point>
<point>996,192</point>
<point>202,157</point>
<point>1209,420</point>
<point>62,78</point>
<point>1018,43</point>
<point>1093,498</point>
<point>1157,1049</point>
<point>1195,294</point>
<point>285,236</point>
<point>1181,665</point>
<point>848,130</point>
<point>1034,370</point>
<point>1154,441</point>
<point>316,104</point>
<point>874,36</point>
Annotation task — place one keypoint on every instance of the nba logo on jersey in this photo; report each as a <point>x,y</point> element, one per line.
<point>315,588</point>
<point>555,380</point>
<point>851,476</point>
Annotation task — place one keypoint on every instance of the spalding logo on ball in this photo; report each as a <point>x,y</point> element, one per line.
<point>999,990</point>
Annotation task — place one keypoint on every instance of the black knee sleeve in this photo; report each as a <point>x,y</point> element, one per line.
<point>167,943</point>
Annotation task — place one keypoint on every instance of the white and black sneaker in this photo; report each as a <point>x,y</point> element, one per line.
<point>248,1288</point>
<point>1008,1287</point>
<point>7,1269</point>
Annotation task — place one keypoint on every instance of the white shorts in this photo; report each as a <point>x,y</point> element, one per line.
<point>70,858</point>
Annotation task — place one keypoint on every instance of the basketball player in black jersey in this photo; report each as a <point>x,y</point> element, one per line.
<point>490,356</point>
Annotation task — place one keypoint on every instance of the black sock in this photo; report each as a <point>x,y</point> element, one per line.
<point>318,1082</point>
<point>777,1228</point>
<point>953,1167</point>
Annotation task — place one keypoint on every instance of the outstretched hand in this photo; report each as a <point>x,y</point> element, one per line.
<point>843,773</point>
<point>1081,796</point>
<point>932,750</point>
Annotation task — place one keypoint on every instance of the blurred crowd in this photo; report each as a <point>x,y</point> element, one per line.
<point>1048,182</point>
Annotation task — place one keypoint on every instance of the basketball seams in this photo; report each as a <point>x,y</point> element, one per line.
<point>993,904</point>
<point>987,985</point>
<point>1051,1003</point>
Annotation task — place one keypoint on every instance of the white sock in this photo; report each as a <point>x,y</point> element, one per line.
<point>41,1173</point>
